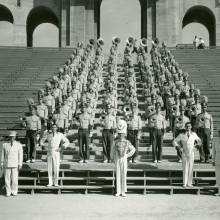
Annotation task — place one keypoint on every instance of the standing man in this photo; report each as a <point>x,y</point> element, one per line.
<point>134,132</point>
<point>186,142</point>
<point>205,132</point>
<point>121,151</point>
<point>84,134</point>
<point>109,123</point>
<point>56,143</point>
<point>11,162</point>
<point>33,127</point>
<point>158,124</point>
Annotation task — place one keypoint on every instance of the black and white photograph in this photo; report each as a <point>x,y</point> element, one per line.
<point>109,109</point>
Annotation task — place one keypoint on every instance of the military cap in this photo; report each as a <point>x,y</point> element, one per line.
<point>144,42</point>
<point>130,41</point>
<point>116,40</point>
<point>100,42</point>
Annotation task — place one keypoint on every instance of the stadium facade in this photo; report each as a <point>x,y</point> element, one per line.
<point>79,20</point>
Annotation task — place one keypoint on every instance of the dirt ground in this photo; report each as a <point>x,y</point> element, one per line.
<point>106,207</point>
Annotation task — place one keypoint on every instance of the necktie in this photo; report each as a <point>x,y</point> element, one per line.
<point>188,135</point>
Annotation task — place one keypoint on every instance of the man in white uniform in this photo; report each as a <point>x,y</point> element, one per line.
<point>121,151</point>
<point>56,142</point>
<point>186,142</point>
<point>11,162</point>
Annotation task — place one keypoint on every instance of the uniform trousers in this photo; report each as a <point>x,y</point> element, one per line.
<point>53,165</point>
<point>157,142</point>
<point>204,134</point>
<point>121,175</point>
<point>133,138</point>
<point>11,180</point>
<point>107,137</point>
<point>187,163</point>
<point>31,143</point>
<point>83,139</point>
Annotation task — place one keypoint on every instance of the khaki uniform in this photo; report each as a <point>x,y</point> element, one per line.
<point>204,124</point>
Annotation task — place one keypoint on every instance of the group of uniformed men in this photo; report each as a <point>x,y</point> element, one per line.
<point>71,97</point>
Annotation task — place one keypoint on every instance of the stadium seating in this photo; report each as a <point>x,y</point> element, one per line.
<point>27,70</point>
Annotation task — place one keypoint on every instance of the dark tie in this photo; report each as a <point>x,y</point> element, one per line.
<point>188,135</point>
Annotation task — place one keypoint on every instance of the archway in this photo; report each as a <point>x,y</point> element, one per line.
<point>195,29</point>
<point>49,30</point>
<point>120,18</point>
<point>6,26</point>
<point>37,16</point>
<point>203,15</point>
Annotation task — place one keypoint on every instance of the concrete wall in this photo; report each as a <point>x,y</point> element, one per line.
<point>170,14</point>
<point>79,19</point>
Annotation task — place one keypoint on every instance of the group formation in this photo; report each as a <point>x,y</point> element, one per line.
<point>70,99</point>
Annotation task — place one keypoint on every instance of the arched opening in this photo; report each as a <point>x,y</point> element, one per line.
<point>37,16</point>
<point>6,26</point>
<point>195,29</point>
<point>50,31</point>
<point>120,18</point>
<point>202,15</point>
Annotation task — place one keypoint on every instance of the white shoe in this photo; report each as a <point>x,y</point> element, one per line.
<point>32,161</point>
<point>56,185</point>
<point>49,185</point>
<point>155,161</point>
<point>28,161</point>
<point>86,161</point>
<point>14,194</point>
<point>159,161</point>
<point>117,194</point>
<point>80,161</point>
<point>105,161</point>
<point>123,195</point>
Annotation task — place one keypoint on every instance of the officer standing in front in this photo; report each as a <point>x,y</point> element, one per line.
<point>56,143</point>
<point>158,124</point>
<point>11,162</point>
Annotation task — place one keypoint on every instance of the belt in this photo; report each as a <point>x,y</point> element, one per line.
<point>83,129</point>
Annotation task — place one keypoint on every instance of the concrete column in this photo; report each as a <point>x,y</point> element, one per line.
<point>64,28</point>
<point>89,20</point>
<point>97,5</point>
<point>77,21</point>
<point>151,19</point>
<point>144,31</point>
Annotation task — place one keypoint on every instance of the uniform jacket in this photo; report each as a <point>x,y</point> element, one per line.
<point>12,156</point>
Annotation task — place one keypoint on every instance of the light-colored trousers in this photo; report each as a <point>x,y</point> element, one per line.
<point>11,180</point>
<point>53,165</point>
<point>217,174</point>
<point>187,163</point>
<point>121,175</point>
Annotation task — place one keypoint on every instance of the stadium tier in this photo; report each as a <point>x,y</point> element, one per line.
<point>25,71</point>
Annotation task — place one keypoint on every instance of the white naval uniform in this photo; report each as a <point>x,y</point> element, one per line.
<point>11,158</point>
<point>53,154</point>
<point>121,150</point>
<point>187,144</point>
